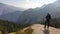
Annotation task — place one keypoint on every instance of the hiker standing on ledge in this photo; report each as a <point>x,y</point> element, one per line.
<point>48,17</point>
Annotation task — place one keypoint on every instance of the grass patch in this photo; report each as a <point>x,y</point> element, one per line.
<point>29,30</point>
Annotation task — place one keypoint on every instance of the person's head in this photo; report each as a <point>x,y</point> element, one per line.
<point>48,14</point>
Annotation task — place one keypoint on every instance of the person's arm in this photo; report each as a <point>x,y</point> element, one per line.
<point>46,17</point>
<point>50,16</point>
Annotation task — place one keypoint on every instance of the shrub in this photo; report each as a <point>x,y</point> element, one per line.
<point>27,31</point>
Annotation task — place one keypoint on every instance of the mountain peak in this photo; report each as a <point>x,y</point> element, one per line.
<point>2,4</point>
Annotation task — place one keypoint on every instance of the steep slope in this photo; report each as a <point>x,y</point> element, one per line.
<point>14,16</point>
<point>38,14</point>
<point>4,8</point>
<point>10,13</point>
<point>54,9</point>
<point>7,26</point>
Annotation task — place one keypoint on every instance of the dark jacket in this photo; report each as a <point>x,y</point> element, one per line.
<point>48,17</point>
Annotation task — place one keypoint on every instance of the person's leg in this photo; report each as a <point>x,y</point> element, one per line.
<point>45,24</point>
<point>48,25</point>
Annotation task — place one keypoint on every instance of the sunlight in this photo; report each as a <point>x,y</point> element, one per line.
<point>27,3</point>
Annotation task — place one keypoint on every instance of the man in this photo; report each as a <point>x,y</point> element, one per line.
<point>48,17</point>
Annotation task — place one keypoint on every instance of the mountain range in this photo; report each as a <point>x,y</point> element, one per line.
<point>32,15</point>
<point>4,8</point>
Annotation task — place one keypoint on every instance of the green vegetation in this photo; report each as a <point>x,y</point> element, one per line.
<point>27,31</point>
<point>7,26</point>
<point>54,23</point>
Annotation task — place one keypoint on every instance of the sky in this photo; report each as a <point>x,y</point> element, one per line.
<point>27,3</point>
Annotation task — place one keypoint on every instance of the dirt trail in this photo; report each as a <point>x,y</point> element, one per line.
<point>38,29</point>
